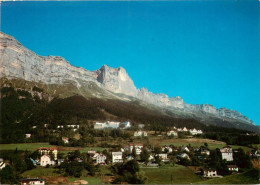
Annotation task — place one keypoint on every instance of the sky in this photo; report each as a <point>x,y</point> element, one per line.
<point>203,51</point>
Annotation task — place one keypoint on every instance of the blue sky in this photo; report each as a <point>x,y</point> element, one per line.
<point>203,51</point>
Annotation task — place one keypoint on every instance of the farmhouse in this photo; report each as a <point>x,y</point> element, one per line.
<point>210,172</point>
<point>140,133</point>
<point>29,181</point>
<point>226,153</point>
<point>172,133</point>
<point>117,157</point>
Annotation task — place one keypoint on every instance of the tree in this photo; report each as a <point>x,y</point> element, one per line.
<point>7,175</point>
<point>241,159</point>
<point>157,150</point>
<point>133,154</point>
<point>145,155</point>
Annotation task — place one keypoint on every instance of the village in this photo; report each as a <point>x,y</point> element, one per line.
<point>204,161</point>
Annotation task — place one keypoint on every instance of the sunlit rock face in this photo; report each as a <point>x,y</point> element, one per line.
<point>16,61</point>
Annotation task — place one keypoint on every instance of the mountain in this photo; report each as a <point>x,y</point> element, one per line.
<point>61,79</point>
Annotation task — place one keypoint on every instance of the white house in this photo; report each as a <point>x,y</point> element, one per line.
<point>32,181</point>
<point>185,148</point>
<point>48,151</point>
<point>140,133</point>
<point>169,149</point>
<point>204,151</point>
<point>99,158</point>
<point>107,124</point>
<point>117,157</point>
<point>65,140</point>
<point>184,155</point>
<point>193,131</point>
<point>210,172</point>
<point>2,163</point>
<point>232,168</point>
<point>91,152</point>
<point>163,157</point>
<point>28,135</point>
<point>185,129</point>
<point>46,160</point>
<point>138,148</point>
<point>172,133</point>
<point>227,153</point>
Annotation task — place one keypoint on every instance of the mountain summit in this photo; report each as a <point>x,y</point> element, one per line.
<point>18,62</point>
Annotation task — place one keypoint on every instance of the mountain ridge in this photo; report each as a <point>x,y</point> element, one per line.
<point>20,62</point>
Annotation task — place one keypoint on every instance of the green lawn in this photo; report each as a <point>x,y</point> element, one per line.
<point>24,146</point>
<point>90,180</point>
<point>39,172</point>
<point>249,177</point>
<point>180,174</point>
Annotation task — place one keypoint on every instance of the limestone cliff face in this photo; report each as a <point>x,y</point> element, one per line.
<point>18,62</point>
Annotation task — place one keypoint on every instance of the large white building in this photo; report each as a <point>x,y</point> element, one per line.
<point>107,124</point>
<point>48,151</point>
<point>210,172</point>
<point>117,157</point>
<point>46,160</point>
<point>227,153</point>
<point>138,148</point>
<point>140,133</point>
<point>99,158</point>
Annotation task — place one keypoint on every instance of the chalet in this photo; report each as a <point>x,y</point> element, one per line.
<point>172,133</point>
<point>138,148</point>
<point>140,133</point>
<point>28,135</point>
<point>48,151</point>
<point>99,158</point>
<point>30,181</point>
<point>232,168</point>
<point>117,157</point>
<point>210,172</point>
<point>166,148</point>
<point>46,160</point>
<point>2,163</point>
<point>65,140</point>
<point>227,153</point>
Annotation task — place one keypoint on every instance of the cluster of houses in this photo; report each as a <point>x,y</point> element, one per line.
<point>112,125</point>
<point>140,133</point>
<point>193,131</point>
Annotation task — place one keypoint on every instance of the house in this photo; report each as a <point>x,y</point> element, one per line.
<point>126,125</point>
<point>199,132</point>
<point>60,126</point>
<point>151,158</point>
<point>74,127</point>
<point>29,181</point>
<point>185,129</point>
<point>48,151</point>
<point>46,125</point>
<point>138,148</point>
<point>183,155</point>
<point>185,148</point>
<point>193,131</point>
<point>163,157</point>
<point>65,140</point>
<point>172,133</point>
<point>140,126</point>
<point>91,152</point>
<point>204,151</point>
<point>129,157</point>
<point>2,163</point>
<point>232,168</point>
<point>140,133</point>
<point>100,158</point>
<point>46,160</point>
<point>117,157</point>
<point>28,135</point>
<point>210,172</point>
<point>34,127</point>
<point>254,153</point>
<point>227,153</point>
<point>107,124</point>
<point>166,148</point>
<point>60,161</point>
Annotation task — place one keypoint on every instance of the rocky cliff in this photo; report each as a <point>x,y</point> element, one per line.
<point>18,62</point>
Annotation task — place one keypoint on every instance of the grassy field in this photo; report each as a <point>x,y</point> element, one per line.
<point>24,146</point>
<point>39,172</point>
<point>180,174</point>
<point>249,177</point>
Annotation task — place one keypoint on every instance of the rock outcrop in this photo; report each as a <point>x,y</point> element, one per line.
<point>18,62</point>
